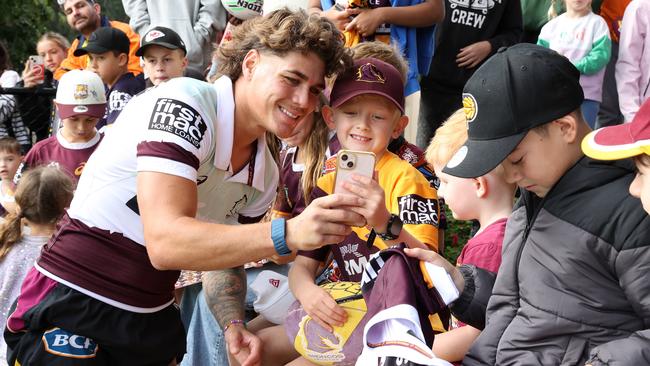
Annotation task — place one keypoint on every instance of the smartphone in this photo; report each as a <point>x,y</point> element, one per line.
<point>38,67</point>
<point>350,162</point>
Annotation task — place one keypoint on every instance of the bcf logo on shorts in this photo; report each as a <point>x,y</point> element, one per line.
<point>63,343</point>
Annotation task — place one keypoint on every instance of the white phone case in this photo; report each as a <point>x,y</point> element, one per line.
<point>350,162</point>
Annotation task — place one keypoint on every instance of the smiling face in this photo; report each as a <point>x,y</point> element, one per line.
<point>9,162</point>
<point>82,16</point>
<point>281,90</point>
<point>366,122</point>
<point>52,54</point>
<point>162,64</point>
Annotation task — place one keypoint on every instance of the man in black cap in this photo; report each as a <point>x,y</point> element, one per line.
<point>108,56</point>
<point>164,54</point>
<point>572,288</point>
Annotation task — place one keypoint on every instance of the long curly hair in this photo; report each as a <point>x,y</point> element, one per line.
<point>280,32</point>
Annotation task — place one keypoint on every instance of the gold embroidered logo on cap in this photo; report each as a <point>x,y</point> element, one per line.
<point>369,73</point>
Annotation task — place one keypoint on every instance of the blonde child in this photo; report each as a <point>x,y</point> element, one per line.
<point>367,111</point>
<point>41,197</point>
<point>400,146</point>
<point>81,102</point>
<point>36,110</point>
<point>10,158</point>
<point>489,200</point>
<point>583,38</point>
<point>164,54</point>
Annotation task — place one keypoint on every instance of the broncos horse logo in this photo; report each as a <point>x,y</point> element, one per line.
<point>369,73</point>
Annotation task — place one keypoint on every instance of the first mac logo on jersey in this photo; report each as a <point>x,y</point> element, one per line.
<point>178,118</point>
<point>415,209</point>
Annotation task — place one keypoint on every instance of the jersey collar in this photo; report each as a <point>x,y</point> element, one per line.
<point>225,129</point>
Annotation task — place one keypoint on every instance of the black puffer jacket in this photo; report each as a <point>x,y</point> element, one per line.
<point>574,284</point>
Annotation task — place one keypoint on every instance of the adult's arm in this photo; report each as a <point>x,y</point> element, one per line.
<point>225,294</point>
<point>138,14</point>
<point>424,14</point>
<point>175,239</point>
<point>211,17</point>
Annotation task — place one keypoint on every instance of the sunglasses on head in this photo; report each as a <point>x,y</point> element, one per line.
<point>61,2</point>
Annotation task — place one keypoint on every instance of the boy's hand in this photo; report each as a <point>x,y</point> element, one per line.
<point>435,258</point>
<point>326,220</point>
<point>245,346</point>
<point>366,21</point>
<point>322,307</point>
<point>373,201</point>
<point>472,55</point>
<point>340,18</point>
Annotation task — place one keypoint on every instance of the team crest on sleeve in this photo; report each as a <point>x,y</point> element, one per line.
<point>178,118</point>
<point>414,209</point>
<point>62,343</point>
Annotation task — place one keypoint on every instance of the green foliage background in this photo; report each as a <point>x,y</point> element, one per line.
<point>22,22</point>
<point>456,235</point>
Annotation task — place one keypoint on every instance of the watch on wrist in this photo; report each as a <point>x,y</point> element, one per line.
<point>393,228</point>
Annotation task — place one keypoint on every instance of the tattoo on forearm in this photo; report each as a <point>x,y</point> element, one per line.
<point>225,294</point>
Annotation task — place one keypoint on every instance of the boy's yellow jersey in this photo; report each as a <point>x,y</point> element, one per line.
<point>408,194</point>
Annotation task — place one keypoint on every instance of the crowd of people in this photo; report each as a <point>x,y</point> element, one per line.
<point>190,196</point>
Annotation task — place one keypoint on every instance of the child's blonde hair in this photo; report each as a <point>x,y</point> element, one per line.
<point>384,52</point>
<point>42,195</point>
<point>57,38</point>
<point>448,139</point>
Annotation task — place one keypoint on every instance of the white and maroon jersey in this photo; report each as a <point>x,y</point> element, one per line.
<point>183,127</point>
<point>57,151</point>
